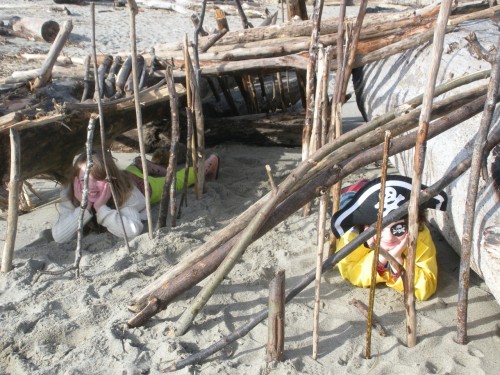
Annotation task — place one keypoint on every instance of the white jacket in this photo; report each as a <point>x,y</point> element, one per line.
<point>133,211</point>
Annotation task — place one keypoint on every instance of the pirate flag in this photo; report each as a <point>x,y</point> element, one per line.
<point>362,208</point>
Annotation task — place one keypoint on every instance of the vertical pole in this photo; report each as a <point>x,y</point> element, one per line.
<point>13,214</point>
<point>377,244</point>
<point>418,167</point>
<point>475,169</point>
<point>133,50</point>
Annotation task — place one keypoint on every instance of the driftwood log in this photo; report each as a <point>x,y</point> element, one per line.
<point>54,154</point>
<point>36,28</point>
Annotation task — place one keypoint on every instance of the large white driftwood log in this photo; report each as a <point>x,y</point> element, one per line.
<point>387,83</point>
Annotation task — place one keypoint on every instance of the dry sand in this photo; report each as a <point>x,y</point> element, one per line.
<point>64,325</point>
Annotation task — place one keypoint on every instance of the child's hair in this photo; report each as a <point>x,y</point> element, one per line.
<point>122,184</point>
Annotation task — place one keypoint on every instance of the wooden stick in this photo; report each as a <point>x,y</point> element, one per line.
<point>418,165</point>
<point>282,91</point>
<point>129,85</point>
<point>86,80</point>
<point>335,128</point>
<point>323,208</point>
<point>227,95</point>
<point>248,80</point>
<point>189,125</point>
<point>13,214</point>
<point>46,69</point>
<point>321,76</point>
<point>244,19</point>
<point>220,19</point>
<point>85,192</point>
<point>198,111</point>
<point>477,161</point>
<point>353,48</point>
<point>196,21</point>
<point>276,323</point>
<point>122,76</point>
<point>380,216</point>
<point>271,179</point>
<point>190,99</point>
<point>110,81</point>
<point>264,94</point>
<point>147,191</point>
<point>98,89</point>
<point>310,83</point>
<point>363,309</point>
<point>169,187</point>
<point>213,40</point>
<point>99,74</point>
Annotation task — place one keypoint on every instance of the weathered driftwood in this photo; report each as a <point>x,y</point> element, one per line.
<point>138,302</point>
<point>477,163</point>
<point>189,6</point>
<point>276,325</point>
<point>225,239</point>
<point>46,69</point>
<point>54,154</point>
<point>36,28</point>
<point>12,215</point>
<point>168,194</point>
<point>459,168</point>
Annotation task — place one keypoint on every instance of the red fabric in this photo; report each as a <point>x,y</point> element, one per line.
<point>356,187</point>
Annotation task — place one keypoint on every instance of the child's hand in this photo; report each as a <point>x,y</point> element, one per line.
<point>77,187</point>
<point>104,197</point>
<point>397,251</point>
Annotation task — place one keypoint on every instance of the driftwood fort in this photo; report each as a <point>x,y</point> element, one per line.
<point>426,81</point>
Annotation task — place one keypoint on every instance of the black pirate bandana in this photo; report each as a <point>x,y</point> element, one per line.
<point>362,209</point>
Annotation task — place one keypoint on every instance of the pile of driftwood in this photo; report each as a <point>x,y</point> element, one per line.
<point>310,50</point>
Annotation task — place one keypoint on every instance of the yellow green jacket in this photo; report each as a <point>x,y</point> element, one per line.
<point>356,267</point>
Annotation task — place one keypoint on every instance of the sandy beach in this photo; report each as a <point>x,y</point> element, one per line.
<point>66,325</point>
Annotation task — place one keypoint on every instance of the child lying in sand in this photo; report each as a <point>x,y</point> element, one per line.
<point>129,190</point>
<point>360,211</point>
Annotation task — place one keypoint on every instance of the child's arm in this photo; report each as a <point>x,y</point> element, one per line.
<point>64,230</point>
<point>131,216</point>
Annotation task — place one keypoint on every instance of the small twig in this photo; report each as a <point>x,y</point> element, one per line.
<point>213,40</point>
<point>271,179</point>
<point>244,20</point>
<point>362,308</point>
